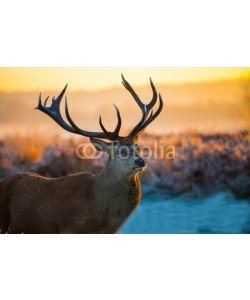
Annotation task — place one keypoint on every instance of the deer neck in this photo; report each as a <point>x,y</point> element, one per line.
<point>117,194</point>
<point>113,178</point>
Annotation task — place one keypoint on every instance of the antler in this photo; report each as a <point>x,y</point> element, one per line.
<point>53,111</point>
<point>148,115</point>
<point>146,119</point>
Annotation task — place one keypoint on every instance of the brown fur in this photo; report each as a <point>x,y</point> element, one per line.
<point>79,203</point>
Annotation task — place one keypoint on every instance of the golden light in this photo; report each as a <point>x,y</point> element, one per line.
<point>33,79</point>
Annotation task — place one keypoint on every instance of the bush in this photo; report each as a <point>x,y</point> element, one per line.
<point>204,163</point>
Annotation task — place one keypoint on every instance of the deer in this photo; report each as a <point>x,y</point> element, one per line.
<point>83,202</point>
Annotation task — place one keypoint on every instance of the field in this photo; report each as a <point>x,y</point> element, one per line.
<point>189,163</point>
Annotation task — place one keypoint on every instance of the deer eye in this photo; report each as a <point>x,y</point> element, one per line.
<point>125,152</point>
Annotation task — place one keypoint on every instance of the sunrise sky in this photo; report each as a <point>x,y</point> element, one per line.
<point>33,79</point>
<point>210,101</point>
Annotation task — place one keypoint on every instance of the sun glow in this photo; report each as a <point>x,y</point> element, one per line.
<point>34,79</point>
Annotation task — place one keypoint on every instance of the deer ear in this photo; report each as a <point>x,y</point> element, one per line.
<point>100,145</point>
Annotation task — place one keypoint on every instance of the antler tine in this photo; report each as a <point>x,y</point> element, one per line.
<point>133,93</point>
<point>138,126</point>
<point>115,134</point>
<point>145,108</point>
<point>59,98</point>
<point>153,115</point>
<point>104,135</point>
<point>102,126</point>
<point>71,122</point>
<point>119,121</point>
<point>53,111</point>
<point>39,101</point>
<point>154,99</point>
<point>45,101</point>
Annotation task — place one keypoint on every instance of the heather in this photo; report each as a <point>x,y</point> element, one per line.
<point>202,164</point>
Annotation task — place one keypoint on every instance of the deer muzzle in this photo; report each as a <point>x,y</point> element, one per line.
<point>140,162</point>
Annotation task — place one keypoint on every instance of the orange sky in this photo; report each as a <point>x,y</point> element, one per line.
<point>33,79</point>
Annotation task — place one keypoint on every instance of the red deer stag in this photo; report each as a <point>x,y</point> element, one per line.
<point>83,202</point>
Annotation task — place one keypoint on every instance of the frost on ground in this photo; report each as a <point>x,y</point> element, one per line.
<point>220,213</point>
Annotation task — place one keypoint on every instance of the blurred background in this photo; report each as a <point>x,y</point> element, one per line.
<point>206,117</point>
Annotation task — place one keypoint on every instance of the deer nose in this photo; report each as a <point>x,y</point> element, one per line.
<point>140,162</point>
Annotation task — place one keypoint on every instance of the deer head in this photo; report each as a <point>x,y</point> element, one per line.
<point>124,152</point>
